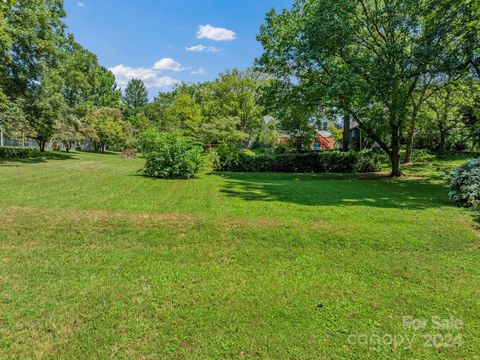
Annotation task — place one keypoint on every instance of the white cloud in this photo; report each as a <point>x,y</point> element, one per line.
<point>168,64</point>
<point>199,71</point>
<point>202,48</point>
<point>150,77</point>
<point>214,33</point>
<point>80,4</point>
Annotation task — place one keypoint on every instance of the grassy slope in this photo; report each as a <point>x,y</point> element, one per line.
<point>96,261</point>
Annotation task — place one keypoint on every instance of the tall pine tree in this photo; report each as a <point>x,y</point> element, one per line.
<point>136,94</point>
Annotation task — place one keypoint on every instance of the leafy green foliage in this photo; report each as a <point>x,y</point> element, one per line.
<point>219,130</point>
<point>465,184</point>
<point>174,157</point>
<point>226,156</point>
<point>68,132</point>
<point>234,96</point>
<point>12,117</point>
<point>443,113</point>
<point>107,127</point>
<point>184,114</point>
<point>147,140</point>
<point>104,91</point>
<point>267,135</point>
<point>321,162</point>
<point>47,109</point>
<point>223,110</point>
<point>139,120</point>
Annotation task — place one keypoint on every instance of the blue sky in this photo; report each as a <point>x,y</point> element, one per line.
<point>168,41</point>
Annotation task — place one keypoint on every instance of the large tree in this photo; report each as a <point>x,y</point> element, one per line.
<point>46,109</point>
<point>136,95</point>
<point>104,92</point>
<point>45,73</point>
<point>37,35</point>
<point>106,127</point>
<point>184,114</point>
<point>234,95</point>
<point>364,56</point>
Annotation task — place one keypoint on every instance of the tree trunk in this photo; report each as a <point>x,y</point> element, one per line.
<point>410,139</point>
<point>346,132</point>
<point>395,154</point>
<point>442,143</point>
<point>41,145</point>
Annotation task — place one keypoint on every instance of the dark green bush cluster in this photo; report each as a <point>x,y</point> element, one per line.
<point>173,156</point>
<point>321,162</point>
<point>17,153</point>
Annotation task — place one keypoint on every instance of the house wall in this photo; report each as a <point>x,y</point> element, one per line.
<point>356,139</point>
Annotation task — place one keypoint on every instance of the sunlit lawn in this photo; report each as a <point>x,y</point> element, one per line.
<point>96,261</point>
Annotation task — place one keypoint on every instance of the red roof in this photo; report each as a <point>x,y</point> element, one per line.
<point>325,143</point>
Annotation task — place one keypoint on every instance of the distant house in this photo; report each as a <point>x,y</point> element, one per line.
<point>323,138</point>
<point>324,141</point>
<point>356,141</point>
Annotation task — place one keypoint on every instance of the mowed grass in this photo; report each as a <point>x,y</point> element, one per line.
<point>98,262</point>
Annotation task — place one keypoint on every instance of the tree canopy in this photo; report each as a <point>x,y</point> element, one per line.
<point>48,81</point>
<point>366,57</point>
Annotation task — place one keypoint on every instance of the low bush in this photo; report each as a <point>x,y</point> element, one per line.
<point>321,162</point>
<point>422,155</point>
<point>226,156</point>
<point>174,156</point>
<point>465,184</point>
<point>17,153</point>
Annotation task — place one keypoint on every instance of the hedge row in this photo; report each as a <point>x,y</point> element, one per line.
<point>321,162</point>
<point>17,153</point>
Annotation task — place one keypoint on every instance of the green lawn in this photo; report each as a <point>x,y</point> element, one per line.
<point>96,261</point>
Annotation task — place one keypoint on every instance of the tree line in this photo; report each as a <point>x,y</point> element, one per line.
<point>50,87</point>
<point>406,71</point>
<point>223,110</point>
<point>53,89</point>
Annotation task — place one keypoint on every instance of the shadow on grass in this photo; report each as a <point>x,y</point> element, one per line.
<point>337,190</point>
<point>39,158</point>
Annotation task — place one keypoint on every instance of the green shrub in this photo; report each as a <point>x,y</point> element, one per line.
<point>422,155</point>
<point>17,153</point>
<point>228,155</point>
<point>465,184</point>
<point>174,157</point>
<point>146,141</point>
<point>321,162</point>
